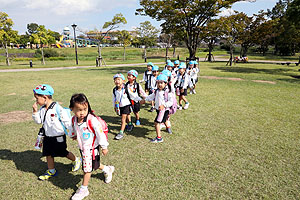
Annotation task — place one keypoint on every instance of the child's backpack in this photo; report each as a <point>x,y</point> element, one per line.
<point>173,108</point>
<point>68,111</point>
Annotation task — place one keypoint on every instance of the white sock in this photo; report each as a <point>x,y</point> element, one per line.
<point>105,169</point>
<point>52,170</point>
<point>84,187</point>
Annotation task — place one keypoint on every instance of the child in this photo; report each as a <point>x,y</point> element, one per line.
<point>54,142</point>
<point>152,80</point>
<point>181,86</point>
<point>194,77</point>
<point>146,76</point>
<point>162,105</point>
<point>89,142</point>
<point>122,104</point>
<point>135,91</point>
<point>176,65</point>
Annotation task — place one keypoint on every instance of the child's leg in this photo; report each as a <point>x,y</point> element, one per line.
<point>86,178</point>
<point>137,115</point>
<point>180,100</point>
<point>123,121</point>
<point>184,99</point>
<point>50,162</point>
<point>157,128</point>
<point>71,156</point>
<point>108,171</point>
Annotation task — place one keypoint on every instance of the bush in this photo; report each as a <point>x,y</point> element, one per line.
<point>47,53</point>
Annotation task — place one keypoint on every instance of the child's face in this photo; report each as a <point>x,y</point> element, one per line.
<point>161,85</point>
<point>155,73</point>
<point>130,78</point>
<point>80,111</point>
<point>149,67</point>
<point>41,100</point>
<point>118,82</point>
<point>169,68</point>
<point>181,71</point>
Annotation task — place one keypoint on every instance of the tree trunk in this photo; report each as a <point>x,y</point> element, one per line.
<point>43,57</point>
<point>99,55</point>
<point>174,51</point>
<point>124,54</point>
<point>210,48</point>
<point>145,53</point>
<point>7,55</point>
<point>167,51</point>
<point>231,55</point>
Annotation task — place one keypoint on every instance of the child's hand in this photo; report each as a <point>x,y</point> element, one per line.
<point>35,107</point>
<point>104,152</point>
<point>161,107</point>
<point>74,138</point>
<point>182,90</point>
<point>142,101</point>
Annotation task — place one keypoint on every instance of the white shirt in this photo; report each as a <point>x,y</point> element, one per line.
<point>182,81</point>
<point>159,98</point>
<point>133,93</point>
<point>120,96</point>
<point>194,72</point>
<point>52,125</point>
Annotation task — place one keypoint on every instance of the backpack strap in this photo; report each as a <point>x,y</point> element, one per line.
<point>90,127</point>
<point>59,118</point>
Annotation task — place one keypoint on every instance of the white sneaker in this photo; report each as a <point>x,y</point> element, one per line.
<point>80,194</point>
<point>186,106</point>
<point>180,108</point>
<point>194,91</point>
<point>191,92</point>
<point>108,175</point>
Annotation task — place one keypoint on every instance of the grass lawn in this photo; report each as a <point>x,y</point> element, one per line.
<point>239,139</point>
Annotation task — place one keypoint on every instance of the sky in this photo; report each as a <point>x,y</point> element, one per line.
<point>92,14</point>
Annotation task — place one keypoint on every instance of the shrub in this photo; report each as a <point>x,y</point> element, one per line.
<point>47,53</point>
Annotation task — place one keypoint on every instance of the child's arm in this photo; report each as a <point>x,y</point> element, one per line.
<point>36,114</point>
<point>151,97</point>
<point>142,92</point>
<point>134,96</point>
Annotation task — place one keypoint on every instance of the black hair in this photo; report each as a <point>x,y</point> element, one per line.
<point>42,95</point>
<point>80,99</point>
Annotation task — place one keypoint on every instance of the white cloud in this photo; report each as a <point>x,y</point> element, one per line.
<point>226,12</point>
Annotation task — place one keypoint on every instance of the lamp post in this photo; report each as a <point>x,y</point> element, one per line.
<point>74,26</point>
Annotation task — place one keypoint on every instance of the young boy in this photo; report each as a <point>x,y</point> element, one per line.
<point>54,143</point>
<point>152,81</point>
<point>181,86</point>
<point>135,91</point>
<point>122,104</point>
<point>194,77</point>
<point>146,76</point>
<point>162,105</point>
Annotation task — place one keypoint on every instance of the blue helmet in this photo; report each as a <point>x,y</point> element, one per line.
<point>155,68</point>
<point>169,61</point>
<point>176,62</point>
<point>195,62</point>
<point>167,73</point>
<point>133,72</point>
<point>182,66</point>
<point>119,76</point>
<point>170,64</point>
<point>150,64</point>
<point>162,77</point>
<point>43,89</point>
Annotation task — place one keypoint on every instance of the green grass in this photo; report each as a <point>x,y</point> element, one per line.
<point>238,139</point>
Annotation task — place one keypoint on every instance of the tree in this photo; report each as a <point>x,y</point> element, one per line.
<point>7,35</point>
<point>43,37</point>
<point>31,29</point>
<point>232,28</point>
<point>185,16</point>
<point>109,26</point>
<point>147,35</point>
<point>23,40</point>
<point>125,39</point>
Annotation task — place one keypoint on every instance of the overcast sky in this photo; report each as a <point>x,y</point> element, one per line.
<point>91,14</point>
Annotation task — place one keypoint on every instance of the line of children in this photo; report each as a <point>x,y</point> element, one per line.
<point>52,131</point>
<point>153,85</point>
<point>181,85</point>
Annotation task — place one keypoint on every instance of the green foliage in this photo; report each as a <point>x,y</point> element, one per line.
<point>47,53</point>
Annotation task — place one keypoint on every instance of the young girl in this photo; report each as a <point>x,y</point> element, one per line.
<point>54,144</point>
<point>146,76</point>
<point>89,142</point>
<point>194,77</point>
<point>181,85</point>
<point>153,86</point>
<point>162,105</point>
<point>135,91</point>
<point>122,104</point>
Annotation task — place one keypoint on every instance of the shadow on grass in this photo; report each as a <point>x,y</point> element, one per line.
<point>30,161</point>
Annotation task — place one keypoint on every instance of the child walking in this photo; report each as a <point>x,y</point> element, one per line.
<point>135,91</point>
<point>153,86</point>
<point>181,86</point>
<point>146,76</point>
<point>162,105</point>
<point>90,137</point>
<point>122,104</point>
<point>54,142</point>
<point>194,77</point>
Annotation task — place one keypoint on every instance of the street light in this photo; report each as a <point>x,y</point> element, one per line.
<point>74,26</point>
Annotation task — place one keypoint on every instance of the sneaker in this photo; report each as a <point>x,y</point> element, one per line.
<point>151,109</point>
<point>130,127</point>
<point>47,175</point>
<point>191,92</point>
<point>108,175</point>
<point>80,194</point>
<point>119,136</point>
<point>137,122</point>
<point>76,164</point>
<point>157,140</point>
<point>169,130</point>
<point>194,91</point>
<point>180,108</point>
<point>186,106</point>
